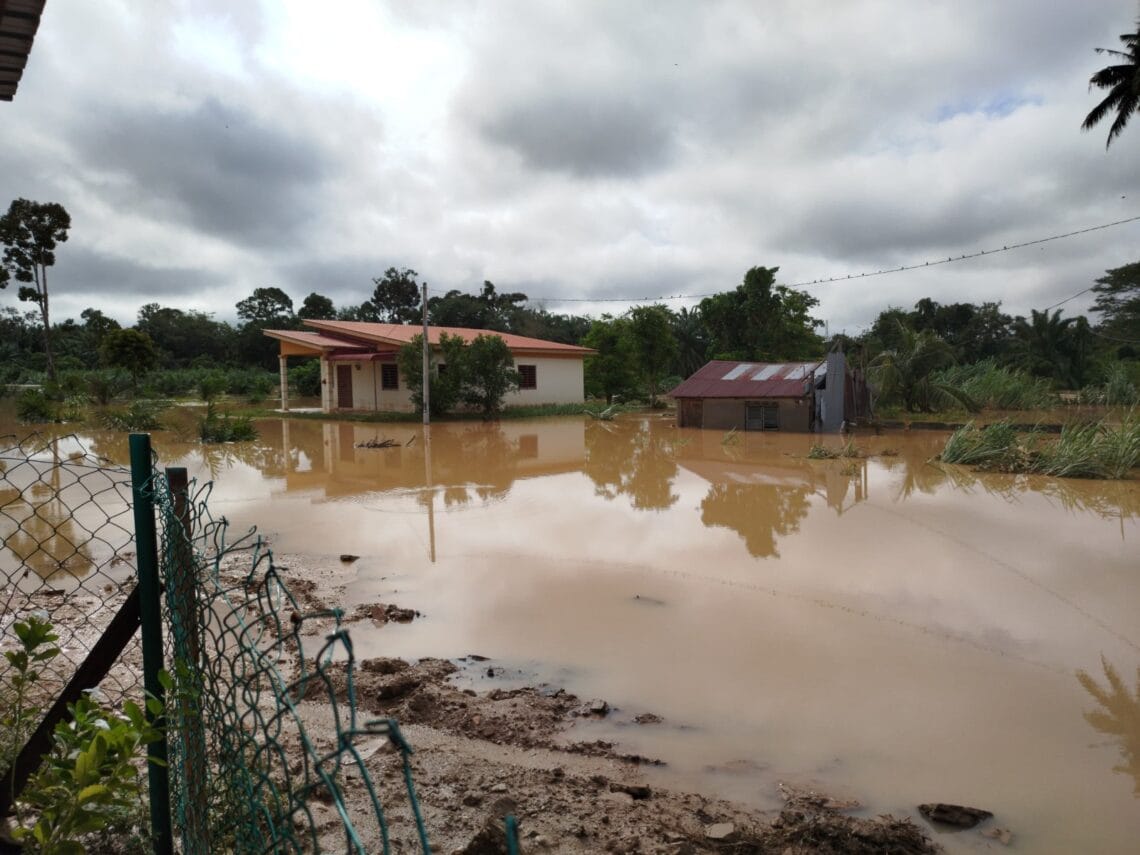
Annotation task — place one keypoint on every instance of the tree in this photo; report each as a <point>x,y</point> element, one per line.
<point>185,337</point>
<point>397,298</point>
<point>762,321</point>
<point>129,349</point>
<point>266,306</point>
<point>1118,302</point>
<point>97,325</point>
<point>445,372</point>
<point>905,373</point>
<point>1123,84</point>
<point>487,310</point>
<point>692,342</point>
<point>317,307</point>
<point>29,233</point>
<point>610,373</point>
<point>488,374</point>
<point>1054,347</point>
<point>655,348</point>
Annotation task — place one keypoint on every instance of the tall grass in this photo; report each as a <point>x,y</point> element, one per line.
<point>1091,450</point>
<point>998,388</point>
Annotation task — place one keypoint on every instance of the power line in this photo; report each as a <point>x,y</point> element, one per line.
<point>855,276</point>
<point>1067,299</point>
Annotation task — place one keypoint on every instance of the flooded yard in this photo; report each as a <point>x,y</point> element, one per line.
<point>884,628</point>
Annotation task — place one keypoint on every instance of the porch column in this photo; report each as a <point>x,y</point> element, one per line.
<point>284,373</point>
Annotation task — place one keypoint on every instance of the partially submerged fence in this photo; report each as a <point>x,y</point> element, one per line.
<point>243,771</point>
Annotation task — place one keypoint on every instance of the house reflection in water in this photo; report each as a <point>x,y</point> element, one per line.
<point>763,501</point>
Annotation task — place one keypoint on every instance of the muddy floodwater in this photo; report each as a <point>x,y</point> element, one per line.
<point>884,628</point>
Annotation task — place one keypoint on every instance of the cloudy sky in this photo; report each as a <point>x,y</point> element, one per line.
<point>588,150</point>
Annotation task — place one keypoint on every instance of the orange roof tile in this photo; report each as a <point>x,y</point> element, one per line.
<point>400,334</point>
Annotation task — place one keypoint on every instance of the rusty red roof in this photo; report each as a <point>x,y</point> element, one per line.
<point>725,379</point>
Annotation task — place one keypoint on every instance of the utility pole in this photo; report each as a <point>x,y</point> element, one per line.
<point>427,371</point>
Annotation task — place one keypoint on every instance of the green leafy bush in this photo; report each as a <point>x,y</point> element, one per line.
<point>222,427</point>
<point>34,406</point>
<point>997,387</point>
<point>305,378</point>
<point>139,415</point>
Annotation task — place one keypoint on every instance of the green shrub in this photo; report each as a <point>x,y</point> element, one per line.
<point>139,415</point>
<point>250,382</point>
<point>222,427</point>
<point>105,385</point>
<point>35,407</point>
<point>305,378</point>
<point>211,385</point>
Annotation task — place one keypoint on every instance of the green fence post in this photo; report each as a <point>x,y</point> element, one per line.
<point>150,609</point>
<point>185,629</point>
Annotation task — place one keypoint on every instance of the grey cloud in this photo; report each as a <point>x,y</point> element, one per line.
<point>215,166</point>
<point>586,134</point>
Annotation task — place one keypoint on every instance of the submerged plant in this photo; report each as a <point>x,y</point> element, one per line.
<point>222,427</point>
<point>140,415</point>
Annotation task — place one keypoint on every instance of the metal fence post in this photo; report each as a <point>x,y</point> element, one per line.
<point>150,609</point>
<point>182,594</point>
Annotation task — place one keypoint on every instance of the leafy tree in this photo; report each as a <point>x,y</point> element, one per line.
<point>129,349</point>
<point>266,306</point>
<point>762,321</point>
<point>317,307</point>
<point>487,310</point>
<point>904,373</point>
<point>1054,347</point>
<point>539,323</point>
<point>610,373</point>
<point>97,325</point>
<point>1123,84</point>
<point>692,342</point>
<point>29,233</point>
<point>398,297</point>
<point>655,348</point>
<point>1118,302</point>
<point>488,374</point>
<point>186,337</point>
<point>445,376</point>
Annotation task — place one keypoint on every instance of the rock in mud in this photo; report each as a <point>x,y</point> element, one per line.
<point>598,707</point>
<point>956,815</point>
<point>722,832</point>
<point>648,718</point>
<point>1002,835</point>
<point>348,558</point>
<point>491,839</point>
<point>637,791</point>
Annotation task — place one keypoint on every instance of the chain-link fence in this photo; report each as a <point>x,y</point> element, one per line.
<point>252,769</point>
<point>266,750</point>
<point>66,553</point>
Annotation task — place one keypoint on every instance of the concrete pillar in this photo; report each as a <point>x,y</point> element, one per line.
<point>284,374</point>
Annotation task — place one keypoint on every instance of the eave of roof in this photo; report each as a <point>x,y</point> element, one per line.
<point>19,21</point>
<point>710,380</point>
<point>315,342</point>
<point>396,335</point>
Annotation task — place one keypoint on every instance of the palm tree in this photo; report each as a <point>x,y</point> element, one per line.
<point>1123,84</point>
<point>906,373</point>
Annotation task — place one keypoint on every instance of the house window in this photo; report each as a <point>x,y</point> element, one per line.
<point>389,377</point>
<point>528,376</point>
<point>761,417</point>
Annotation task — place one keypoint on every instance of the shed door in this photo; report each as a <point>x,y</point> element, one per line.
<point>691,411</point>
<point>761,417</point>
<point>344,387</point>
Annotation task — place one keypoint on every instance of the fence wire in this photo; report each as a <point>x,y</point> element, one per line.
<point>247,773</point>
<point>67,553</point>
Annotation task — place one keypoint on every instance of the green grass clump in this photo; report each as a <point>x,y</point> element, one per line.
<point>998,388</point>
<point>1090,450</point>
<point>827,452</point>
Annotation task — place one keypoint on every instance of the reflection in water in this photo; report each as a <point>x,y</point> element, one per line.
<point>758,512</point>
<point>632,458</point>
<point>1118,716</point>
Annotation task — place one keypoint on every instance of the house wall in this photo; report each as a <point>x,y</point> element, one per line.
<point>728,413</point>
<point>559,381</point>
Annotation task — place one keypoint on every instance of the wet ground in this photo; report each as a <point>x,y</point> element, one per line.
<point>889,628</point>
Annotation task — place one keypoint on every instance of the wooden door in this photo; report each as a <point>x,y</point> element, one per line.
<point>692,410</point>
<point>344,387</point>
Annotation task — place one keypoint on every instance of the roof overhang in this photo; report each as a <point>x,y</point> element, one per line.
<point>19,21</point>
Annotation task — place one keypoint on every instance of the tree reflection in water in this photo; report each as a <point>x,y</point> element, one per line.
<point>758,512</point>
<point>1118,716</point>
<point>632,458</point>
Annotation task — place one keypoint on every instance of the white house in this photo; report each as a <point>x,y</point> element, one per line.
<point>359,370</point>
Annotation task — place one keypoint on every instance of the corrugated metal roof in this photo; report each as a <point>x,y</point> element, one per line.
<point>723,379</point>
<point>314,340</point>
<point>19,20</point>
<point>400,334</point>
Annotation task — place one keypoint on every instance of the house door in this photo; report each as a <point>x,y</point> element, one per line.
<point>691,411</point>
<point>344,387</point>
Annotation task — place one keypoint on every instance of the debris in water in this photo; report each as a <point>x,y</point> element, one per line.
<point>348,558</point>
<point>378,443</point>
<point>962,817</point>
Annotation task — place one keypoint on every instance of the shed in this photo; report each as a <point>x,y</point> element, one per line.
<point>790,396</point>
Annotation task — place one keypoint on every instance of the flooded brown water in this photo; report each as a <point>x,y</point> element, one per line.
<point>886,628</point>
